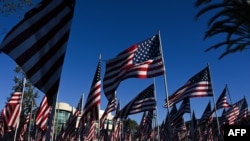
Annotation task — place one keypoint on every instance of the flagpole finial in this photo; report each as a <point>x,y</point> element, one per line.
<point>100,56</point>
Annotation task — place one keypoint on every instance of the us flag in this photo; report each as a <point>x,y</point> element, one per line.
<point>25,126</point>
<point>91,108</point>
<point>38,43</point>
<point>144,101</point>
<point>197,86</point>
<point>142,60</point>
<point>43,114</point>
<point>12,111</point>
<point>111,106</point>
<point>222,100</point>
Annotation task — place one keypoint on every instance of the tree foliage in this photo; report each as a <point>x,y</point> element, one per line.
<point>231,19</point>
<point>14,6</point>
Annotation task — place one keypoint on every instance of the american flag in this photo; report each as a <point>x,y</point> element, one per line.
<point>142,60</point>
<point>25,126</point>
<point>222,100</point>
<point>12,111</point>
<point>91,108</point>
<point>144,101</point>
<point>146,124</point>
<point>243,108</point>
<point>230,115</point>
<point>197,86</point>
<point>38,43</point>
<point>193,127</point>
<point>71,124</point>
<point>88,132</point>
<point>112,105</point>
<point>235,113</point>
<point>1,125</point>
<point>184,108</point>
<point>207,115</point>
<point>43,114</point>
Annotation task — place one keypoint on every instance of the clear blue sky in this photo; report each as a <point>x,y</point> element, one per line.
<point>108,27</point>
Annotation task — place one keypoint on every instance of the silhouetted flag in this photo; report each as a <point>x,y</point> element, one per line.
<point>184,108</point>
<point>92,104</point>
<point>142,60</point>
<point>193,128</point>
<point>43,114</point>
<point>11,111</point>
<point>197,86</point>
<point>71,124</point>
<point>110,107</point>
<point>38,43</point>
<point>207,115</point>
<point>144,101</point>
<point>145,126</point>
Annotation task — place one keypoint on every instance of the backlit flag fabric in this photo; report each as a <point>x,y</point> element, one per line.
<point>197,86</point>
<point>38,43</point>
<point>142,60</point>
<point>144,101</point>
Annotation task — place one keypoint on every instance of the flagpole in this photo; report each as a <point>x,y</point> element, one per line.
<point>21,101</point>
<point>30,120</point>
<point>156,116</point>
<point>100,58</point>
<point>217,120</point>
<point>165,78</point>
<point>229,94</point>
<point>51,118</point>
<point>79,136</point>
<point>54,120</point>
<point>232,104</point>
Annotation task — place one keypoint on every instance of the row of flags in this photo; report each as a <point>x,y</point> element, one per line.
<point>38,45</point>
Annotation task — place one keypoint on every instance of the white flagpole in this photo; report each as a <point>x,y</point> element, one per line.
<point>18,120</point>
<point>165,77</point>
<point>217,120</point>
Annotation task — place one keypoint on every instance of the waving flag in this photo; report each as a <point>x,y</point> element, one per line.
<point>42,115</point>
<point>144,101</point>
<point>91,108</point>
<point>26,125</point>
<point>12,111</point>
<point>111,106</point>
<point>222,100</point>
<point>197,86</point>
<point>142,60</point>
<point>38,43</point>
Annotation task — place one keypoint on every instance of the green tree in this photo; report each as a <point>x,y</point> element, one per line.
<point>231,18</point>
<point>133,127</point>
<point>29,95</point>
